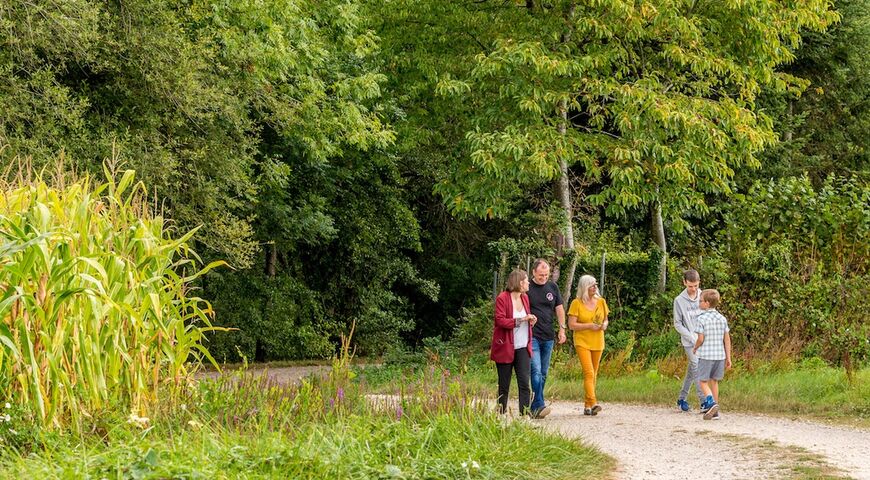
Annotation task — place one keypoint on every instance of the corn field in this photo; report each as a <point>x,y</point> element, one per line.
<point>96,307</point>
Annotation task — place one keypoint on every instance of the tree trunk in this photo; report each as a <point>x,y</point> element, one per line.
<point>658,233</point>
<point>787,136</point>
<point>271,259</point>
<point>564,185</point>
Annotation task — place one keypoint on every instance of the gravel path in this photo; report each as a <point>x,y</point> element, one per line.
<point>281,374</point>
<point>658,443</point>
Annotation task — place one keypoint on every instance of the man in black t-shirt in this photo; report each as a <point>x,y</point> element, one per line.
<point>545,302</point>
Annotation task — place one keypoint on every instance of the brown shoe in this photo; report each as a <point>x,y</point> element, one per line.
<point>595,409</point>
<point>542,413</point>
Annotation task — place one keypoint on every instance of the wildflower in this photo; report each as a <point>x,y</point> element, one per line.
<point>141,422</point>
<point>464,464</point>
<point>183,406</point>
<point>194,424</point>
<point>8,406</point>
<point>398,412</point>
<point>475,465</point>
<point>340,394</point>
<point>7,418</point>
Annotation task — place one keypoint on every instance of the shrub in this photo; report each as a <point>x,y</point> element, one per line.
<point>660,345</point>
<point>474,330</point>
<point>272,318</point>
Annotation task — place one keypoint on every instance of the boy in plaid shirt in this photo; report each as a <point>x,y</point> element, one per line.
<point>713,348</point>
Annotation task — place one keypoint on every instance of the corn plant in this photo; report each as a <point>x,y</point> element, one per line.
<point>96,309</point>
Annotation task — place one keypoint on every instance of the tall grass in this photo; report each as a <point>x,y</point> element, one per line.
<point>96,311</point>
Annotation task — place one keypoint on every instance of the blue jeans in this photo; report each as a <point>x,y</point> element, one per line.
<point>541,352</point>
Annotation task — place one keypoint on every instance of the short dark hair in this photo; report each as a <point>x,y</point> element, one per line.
<point>711,296</point>
<point>537,263</point>
<point>691,275</point>
<point>514,279</point>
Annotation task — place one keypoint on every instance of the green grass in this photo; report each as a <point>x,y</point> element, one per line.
<point>357,447</point>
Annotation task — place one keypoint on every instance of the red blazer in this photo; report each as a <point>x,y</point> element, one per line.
<point>502,348</point>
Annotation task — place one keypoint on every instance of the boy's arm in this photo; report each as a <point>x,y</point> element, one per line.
<point>700,342</point>
<point>727,350</point>
<point>678,324</point>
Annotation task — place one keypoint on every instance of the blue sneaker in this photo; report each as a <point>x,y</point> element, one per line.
<point>684,405</point>
<point>712,411</point>
<point>705,406</point>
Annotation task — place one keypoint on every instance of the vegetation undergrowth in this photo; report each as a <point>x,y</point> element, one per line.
<point>250,426</point>
<point>808,389</point>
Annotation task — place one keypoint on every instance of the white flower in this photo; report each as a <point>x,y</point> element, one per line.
<point>183,406</point>
<point>8,406</point>
<point>464,464</point>
<point>475,465</point>
<point>141,422</point>
<point>7,418</point>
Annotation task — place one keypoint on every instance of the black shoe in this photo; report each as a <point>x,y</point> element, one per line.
<point>595,409</point>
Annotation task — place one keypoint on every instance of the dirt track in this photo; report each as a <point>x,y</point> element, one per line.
<point>659,443</point>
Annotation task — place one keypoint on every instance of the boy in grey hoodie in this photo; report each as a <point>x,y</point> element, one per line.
<point>685,310</point>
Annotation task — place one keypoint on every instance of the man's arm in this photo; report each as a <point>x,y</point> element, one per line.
<point>727,350</point>
<point>560,317</point>
<point>684,332</point>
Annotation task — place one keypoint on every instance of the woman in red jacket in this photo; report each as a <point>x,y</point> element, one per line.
<point>511,347</point>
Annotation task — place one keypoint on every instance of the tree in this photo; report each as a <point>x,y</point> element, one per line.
<point>824,129</point>
<point>660,98</point>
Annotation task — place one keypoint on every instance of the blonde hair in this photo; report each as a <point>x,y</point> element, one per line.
<point>586,281</point>
<point>711,296</point>
<point>514,279</point>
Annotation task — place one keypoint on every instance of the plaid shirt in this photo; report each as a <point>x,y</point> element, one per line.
<point>713,326</point>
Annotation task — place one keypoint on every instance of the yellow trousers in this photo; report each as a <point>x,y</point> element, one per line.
<point>589,360</point>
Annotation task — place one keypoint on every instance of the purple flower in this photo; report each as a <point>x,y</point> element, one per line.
<point>340,394</point>
<point>398,412</point>
<point>331,403</point>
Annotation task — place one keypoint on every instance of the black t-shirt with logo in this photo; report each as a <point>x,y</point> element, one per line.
<point>544,299</point>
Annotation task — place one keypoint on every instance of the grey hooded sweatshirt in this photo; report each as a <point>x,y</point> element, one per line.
<point>685,312</point>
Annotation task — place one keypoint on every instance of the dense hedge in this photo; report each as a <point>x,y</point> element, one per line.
<point>629,280</point>
<point>273,318</point>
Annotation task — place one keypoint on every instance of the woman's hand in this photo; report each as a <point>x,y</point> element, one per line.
<point>604,325</point>
<point>531,319</point>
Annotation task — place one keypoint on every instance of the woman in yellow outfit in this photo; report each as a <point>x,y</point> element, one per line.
<point>587,318</point>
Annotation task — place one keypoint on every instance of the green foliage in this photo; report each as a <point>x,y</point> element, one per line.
<point>629,282</point>
<point>96,302</point>
<point>797,267</point>
<point>657,346</point>
<point>272,318</point>
<point>824,129</point>
<point>474,330</point>
<point>660,99</point>
<point>195,96</point>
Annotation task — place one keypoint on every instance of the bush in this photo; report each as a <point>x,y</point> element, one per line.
<point>273,318</point>
<point>661,345</point>
<point>629,281</point>
<point>474,331</point>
